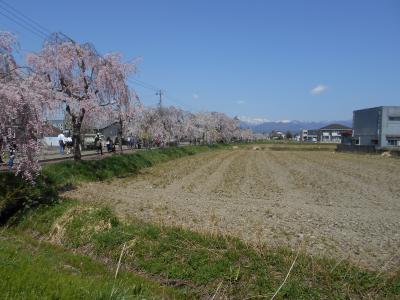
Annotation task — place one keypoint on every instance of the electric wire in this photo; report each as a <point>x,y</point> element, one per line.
<point>37,25</point>
<point>41,37</point>
<point>23,20</point>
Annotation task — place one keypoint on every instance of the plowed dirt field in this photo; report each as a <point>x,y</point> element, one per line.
<point>334,204</point>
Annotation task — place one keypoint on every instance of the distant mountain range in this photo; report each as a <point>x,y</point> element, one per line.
<point>286,125</point>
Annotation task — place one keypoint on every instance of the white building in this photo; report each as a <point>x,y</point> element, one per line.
<point>333,133</point>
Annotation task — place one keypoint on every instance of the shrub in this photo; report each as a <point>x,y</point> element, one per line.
<point>16,194</point>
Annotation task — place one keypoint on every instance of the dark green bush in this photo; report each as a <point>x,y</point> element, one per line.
<point>16,194</point>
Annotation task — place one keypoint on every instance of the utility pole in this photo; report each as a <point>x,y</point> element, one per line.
<point>160,93</point>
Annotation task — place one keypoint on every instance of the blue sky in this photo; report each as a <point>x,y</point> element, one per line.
<point>297,60</point>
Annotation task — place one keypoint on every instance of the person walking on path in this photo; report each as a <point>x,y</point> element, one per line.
<point>11,156</point>
<point>98,144</point>
<point>61,142</point>
<point>131,140</point>
<point>109,144</point>
<point>1,150</point>
<point>68,144</point>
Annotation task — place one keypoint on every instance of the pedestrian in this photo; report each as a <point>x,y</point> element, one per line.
<point>1,150</point>
<point>116,141</point>
<point>61,142</point>
<point>109,144</point>
<point>131,140</point>
<point>158,142</point>
<point>98,144</point>
<point>68,144</point>
<point>11,155</point>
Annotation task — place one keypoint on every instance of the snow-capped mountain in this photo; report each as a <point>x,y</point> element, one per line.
<point>287,125</point>
<point>253,121</point>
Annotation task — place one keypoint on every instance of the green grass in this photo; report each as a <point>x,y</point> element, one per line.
<point>202,262</point>
<point>72,172</point>
<point>30,269</point>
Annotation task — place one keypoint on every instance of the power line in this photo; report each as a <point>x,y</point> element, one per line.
<point>148,95</point>
<point>21,18</point>
<point>143,84</point>
<point>23,25</point>
<point>150,86</point>
<point>39,26</point>
<point>179,102</point>
<point>159,92</point>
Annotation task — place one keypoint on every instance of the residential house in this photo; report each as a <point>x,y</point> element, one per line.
<point>277,135</point>
<point>110,130</point>
<point>333,133</point>
<point>309,135</point>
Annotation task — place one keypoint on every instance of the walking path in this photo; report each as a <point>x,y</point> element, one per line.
<point>54,156</point>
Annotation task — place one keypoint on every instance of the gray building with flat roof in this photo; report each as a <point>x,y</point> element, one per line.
<point>378,126</point>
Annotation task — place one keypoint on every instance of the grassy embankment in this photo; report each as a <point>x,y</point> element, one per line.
<point>192,264</point>
<point>196,265</point>
<point>32,269</point>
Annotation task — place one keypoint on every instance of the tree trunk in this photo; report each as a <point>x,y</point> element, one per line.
<point>120,135</point>
<point>76,131</point>
<point>76,138</point>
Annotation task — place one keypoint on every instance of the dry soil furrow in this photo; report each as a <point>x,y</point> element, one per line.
<point>279,197</point>
<point>335,207</point>
<point>262,177</point>
<point>353,189</point>
<point>205,176</point>
<point>232,177</point>
<point>167,173</point>
<point>364,171</point>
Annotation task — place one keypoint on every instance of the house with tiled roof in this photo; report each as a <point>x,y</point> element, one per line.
<point>333,133</point>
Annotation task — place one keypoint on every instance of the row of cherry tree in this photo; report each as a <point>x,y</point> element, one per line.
<point>93,89</point>
<point>173,124</point>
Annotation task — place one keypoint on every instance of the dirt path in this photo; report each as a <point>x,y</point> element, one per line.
<point>341,205</point>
